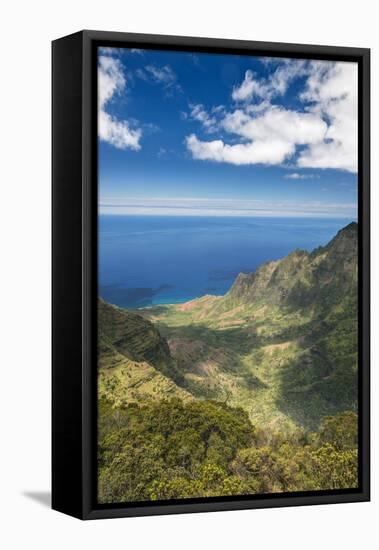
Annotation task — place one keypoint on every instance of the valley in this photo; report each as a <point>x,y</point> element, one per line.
<point>279,348</point>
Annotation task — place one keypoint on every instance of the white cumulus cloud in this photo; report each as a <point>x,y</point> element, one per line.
<point>321,133</point>
<point>249,88</point>
<point>111,81</point>
<point>332,91</point>
<point>267,88</point>
<point>200,114</point>
<point>277,123</point>
<point>269,138</point>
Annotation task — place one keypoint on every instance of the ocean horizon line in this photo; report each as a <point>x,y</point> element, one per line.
<point>316,216</point>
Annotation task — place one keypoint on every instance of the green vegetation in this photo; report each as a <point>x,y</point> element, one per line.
<point>170,449</point>
<point>135,364</point>
<point>252,392</point>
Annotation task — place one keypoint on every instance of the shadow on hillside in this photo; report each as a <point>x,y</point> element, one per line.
<point>236,339</point>
<point>311,388</point>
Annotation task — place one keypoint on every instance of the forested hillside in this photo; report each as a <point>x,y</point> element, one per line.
<point>251,392</point>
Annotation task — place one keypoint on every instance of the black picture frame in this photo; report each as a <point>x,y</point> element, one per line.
<point>74,272</point>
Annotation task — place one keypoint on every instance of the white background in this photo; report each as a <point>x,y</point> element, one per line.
<point>26,31</point>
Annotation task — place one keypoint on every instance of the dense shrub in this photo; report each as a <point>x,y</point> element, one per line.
<point>172,450</point>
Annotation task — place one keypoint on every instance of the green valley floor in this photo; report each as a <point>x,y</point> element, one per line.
<point>248,393</point>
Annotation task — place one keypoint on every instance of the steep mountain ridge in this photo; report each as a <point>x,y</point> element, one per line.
<point>136,338</point>
<point>135,362</point>
<point>133,336</point>
<point>282,343</point>
<point>301,279</point>
<point>249,393</point>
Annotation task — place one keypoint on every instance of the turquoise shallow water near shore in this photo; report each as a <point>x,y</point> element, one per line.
<point>149,260</point>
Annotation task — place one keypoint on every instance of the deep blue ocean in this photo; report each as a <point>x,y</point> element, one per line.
<point>146,260</point>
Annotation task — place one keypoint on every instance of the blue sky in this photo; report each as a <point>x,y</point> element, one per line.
<point>207,134</point>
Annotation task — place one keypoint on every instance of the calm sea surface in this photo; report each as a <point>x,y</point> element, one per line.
<point>146,260</point>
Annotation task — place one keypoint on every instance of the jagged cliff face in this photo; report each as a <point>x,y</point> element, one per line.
<point>132,335</point>
<point>302,279</point>
<point>282,343</point>
<point>280,348</point>
<point>135,363</point>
